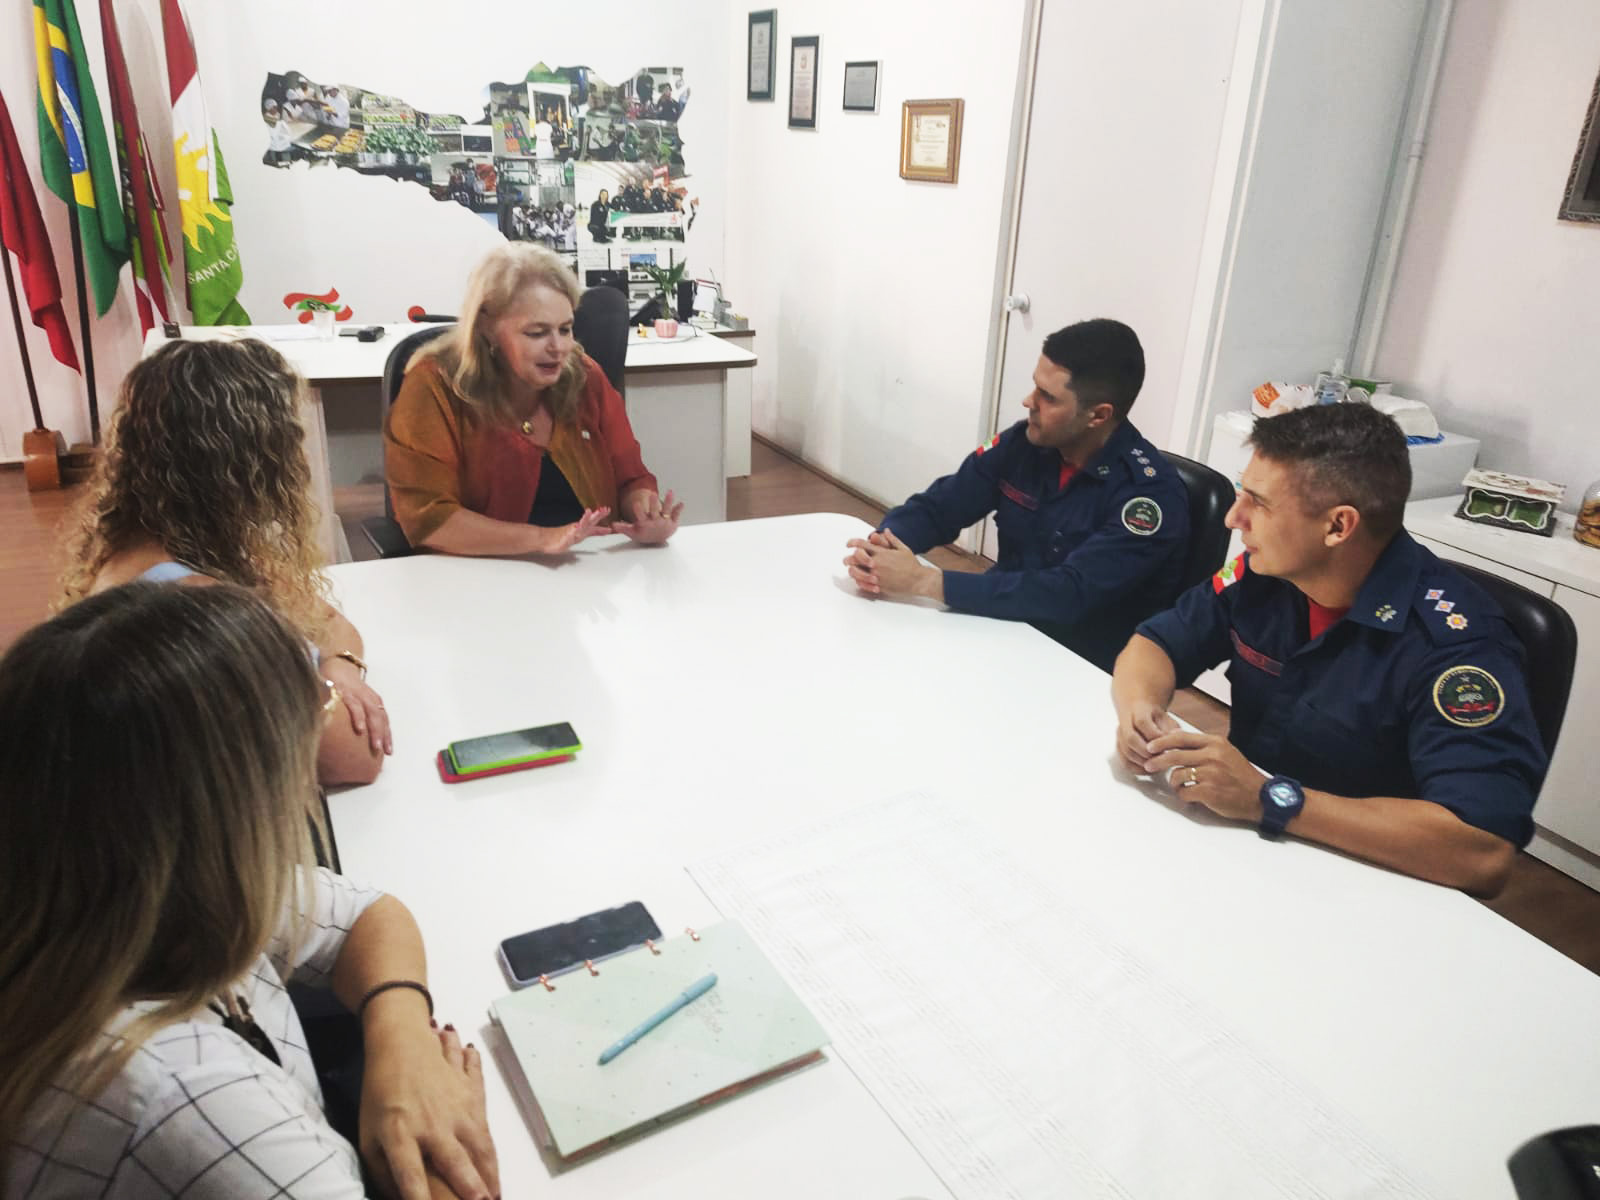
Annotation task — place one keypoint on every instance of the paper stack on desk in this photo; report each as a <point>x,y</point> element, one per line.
<point>748,1029</point>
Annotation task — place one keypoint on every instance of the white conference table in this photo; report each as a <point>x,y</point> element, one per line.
<point>677,404</point>
<point>731,686</point>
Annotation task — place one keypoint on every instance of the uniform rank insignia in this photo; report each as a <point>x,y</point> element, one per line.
<point>1456,621</point>
<point>1231,572</point>
<point>1141,515</point>
<point>990,444</point>
<point>1468,696</point>
<point>1434,594</point>
<point>1150,471</point>
<point>1386,613</point>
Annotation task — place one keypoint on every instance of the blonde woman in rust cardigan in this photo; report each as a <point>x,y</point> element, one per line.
<point>506,438</point>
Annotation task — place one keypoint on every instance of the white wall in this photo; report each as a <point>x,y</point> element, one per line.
<point>1494,319</point>
<point>383,244</point>
<point>871,295</point>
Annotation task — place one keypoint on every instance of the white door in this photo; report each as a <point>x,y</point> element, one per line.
<point>1121,153</point>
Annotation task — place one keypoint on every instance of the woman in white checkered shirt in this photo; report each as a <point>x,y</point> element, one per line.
<point>157,891</point>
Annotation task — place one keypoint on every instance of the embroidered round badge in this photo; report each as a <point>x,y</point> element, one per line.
<point>1141,515</point>
<point>1468,696</point>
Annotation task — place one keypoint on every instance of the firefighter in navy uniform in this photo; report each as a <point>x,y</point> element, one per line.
<point>1093,522</point>
<point>1383,689</point>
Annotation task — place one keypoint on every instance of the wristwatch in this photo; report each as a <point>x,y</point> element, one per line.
<point>1282,799</point>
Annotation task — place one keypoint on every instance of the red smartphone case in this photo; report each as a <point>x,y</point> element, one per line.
<point>442,761</point>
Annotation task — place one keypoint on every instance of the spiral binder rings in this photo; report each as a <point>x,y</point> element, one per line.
<point>748,1030</point>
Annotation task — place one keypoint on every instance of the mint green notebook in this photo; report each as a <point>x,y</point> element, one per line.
<point>748,1029</point>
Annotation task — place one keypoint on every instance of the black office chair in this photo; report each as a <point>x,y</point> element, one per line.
<point>384,532</point>
<point>1210,498</point>
<point>1550,640</point>
<point>600,324</point>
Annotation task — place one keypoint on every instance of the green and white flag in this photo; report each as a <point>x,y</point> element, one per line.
<point>210,256</point>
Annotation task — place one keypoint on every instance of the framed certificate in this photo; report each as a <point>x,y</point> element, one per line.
<point>930,140</point>
<point>762,46</point>
<point>803,82</point>
<point>861,87</point>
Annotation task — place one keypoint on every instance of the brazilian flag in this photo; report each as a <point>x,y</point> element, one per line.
<point>76,159</point>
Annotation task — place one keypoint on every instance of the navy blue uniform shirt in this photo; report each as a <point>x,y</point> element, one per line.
<point>1417,692</point>
<point>1084,563</point>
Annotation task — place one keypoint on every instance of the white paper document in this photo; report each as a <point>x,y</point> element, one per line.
<point>1020,1048</point>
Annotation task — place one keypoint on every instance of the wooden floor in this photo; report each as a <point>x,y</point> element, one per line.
<point>1546,903</point>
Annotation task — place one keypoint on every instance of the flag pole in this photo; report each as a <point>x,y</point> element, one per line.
<point>41,447</point>
<point>22,341</point>
<point>83,326</point>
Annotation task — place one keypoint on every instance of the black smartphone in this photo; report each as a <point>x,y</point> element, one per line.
<point>557,948</point>
<point>513,749</point>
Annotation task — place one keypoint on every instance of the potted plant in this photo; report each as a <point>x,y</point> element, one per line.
<point>667,280</point>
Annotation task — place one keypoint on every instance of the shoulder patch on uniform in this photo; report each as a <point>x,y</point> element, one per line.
<point>1231,572</point>
<point>990,444</point>
<point>1142,516</point>
<point>1468,696</point>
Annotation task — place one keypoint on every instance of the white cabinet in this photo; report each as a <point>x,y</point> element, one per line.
<point>1568,813</point>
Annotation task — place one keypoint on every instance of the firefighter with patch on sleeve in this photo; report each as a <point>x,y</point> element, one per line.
<point>1382,689</point>
<point>1093,521</point>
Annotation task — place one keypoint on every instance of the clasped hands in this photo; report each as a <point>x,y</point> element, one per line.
<point>1201,768</point>
<point>422,1107</point>
<point>882,565</point>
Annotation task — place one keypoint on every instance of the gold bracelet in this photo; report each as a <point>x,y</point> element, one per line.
<point>350,656</point>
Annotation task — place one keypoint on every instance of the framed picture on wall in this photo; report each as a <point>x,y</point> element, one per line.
<point>762,47</point>
<point>803,82</point>
<point>861,87</point>
<point>1581,201</point>
<point>930,140</point>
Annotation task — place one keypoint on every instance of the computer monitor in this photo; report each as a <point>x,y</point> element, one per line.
<point>611,279</point>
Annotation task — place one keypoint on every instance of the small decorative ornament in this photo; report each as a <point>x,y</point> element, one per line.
<point>1150,471</point>
<point>1434,594</point>
<point>1456,621</point>
<point>1510,501</point>
<point>1444,606</point>
<point>1386,613</point>
<point>1103,471</point>
<point>527,428</point>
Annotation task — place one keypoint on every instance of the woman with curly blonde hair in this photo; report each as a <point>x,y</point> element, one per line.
<point>506,438</point>
<point>204,480</point>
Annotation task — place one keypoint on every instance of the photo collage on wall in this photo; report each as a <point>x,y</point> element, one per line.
<point>592,170</point>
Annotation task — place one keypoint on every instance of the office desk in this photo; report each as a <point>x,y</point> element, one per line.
<point>676,404</point>
<point>731,686</point>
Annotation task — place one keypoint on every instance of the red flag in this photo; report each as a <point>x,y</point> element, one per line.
<point>22,231</point>
<point>139,201</point>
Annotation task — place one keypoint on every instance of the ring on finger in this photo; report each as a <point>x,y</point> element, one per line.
<point>1194,778</point>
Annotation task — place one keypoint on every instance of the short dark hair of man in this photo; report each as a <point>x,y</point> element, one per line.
<point>1106,361</point>
<point>1342,454</point>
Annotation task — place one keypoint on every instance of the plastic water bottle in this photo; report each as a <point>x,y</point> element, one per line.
<point>1332,386</point>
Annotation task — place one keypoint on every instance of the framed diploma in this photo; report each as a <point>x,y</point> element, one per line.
<point>930,140</point>
<point>803,83</point>
<point>861,87</point>
<point>762,46</point>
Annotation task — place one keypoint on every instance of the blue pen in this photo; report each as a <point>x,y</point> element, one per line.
<point>690,994</point>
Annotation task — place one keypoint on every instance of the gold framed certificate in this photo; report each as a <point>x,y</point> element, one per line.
<point>930,140</point>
